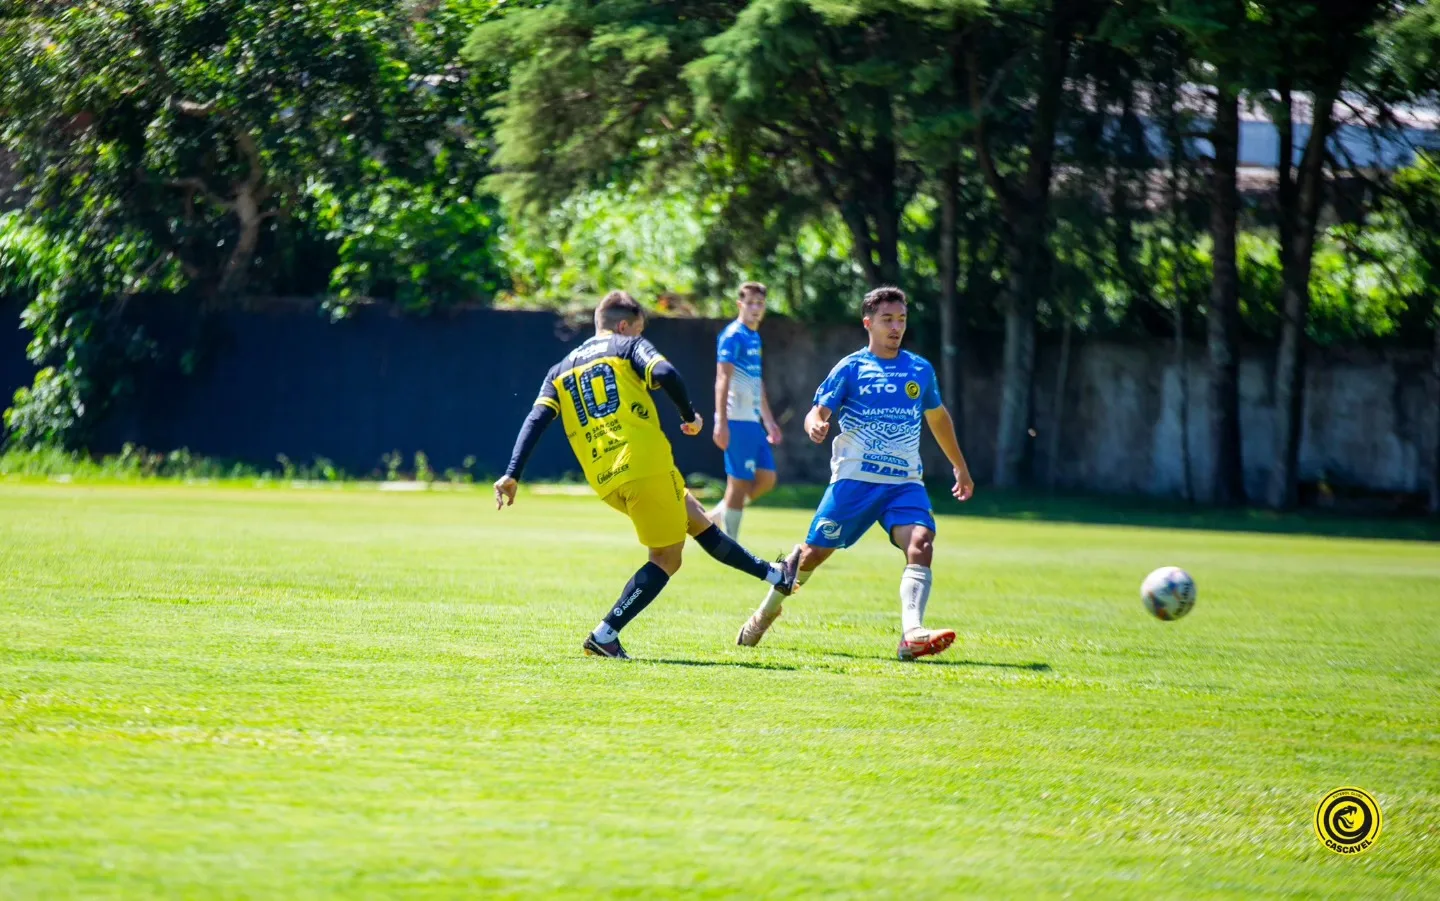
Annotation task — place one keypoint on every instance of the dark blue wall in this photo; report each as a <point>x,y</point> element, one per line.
<point>15,369</point>
<point>291,382</point>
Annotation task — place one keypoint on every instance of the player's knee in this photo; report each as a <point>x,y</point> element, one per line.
<point>736,490</point>
<point>764,481</point>
<point>667,558</point>
<point>921,550</point>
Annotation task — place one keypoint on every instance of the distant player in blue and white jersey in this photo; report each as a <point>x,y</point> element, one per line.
<point>744,427</point>
<point>882,394</point>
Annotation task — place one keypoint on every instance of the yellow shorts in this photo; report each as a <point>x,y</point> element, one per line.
<point>656,505</point>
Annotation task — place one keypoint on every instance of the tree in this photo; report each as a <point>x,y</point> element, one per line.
<point>1321,44</point>
<point>1024,194</point>
<point>1218,36</point>
<point>197,123</point>
<point>783,82</point>
<point>1415,204</point>
<point>177,145</point>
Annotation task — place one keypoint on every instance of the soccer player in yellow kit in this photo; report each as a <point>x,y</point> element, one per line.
<point>601,394</point>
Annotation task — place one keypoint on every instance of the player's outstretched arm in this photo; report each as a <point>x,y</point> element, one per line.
<point>541,415</point>
<point>817,423</point>
<point>943,428</point>
<point>667,378</point>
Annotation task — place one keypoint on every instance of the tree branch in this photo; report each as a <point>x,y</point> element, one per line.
<point>1003,191</point>
<point>193,109</point>
<point>197,186</point>
<point>246,142</point>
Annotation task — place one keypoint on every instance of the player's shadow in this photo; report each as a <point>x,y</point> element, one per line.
<point>742,664</point>
<point>948,661</point>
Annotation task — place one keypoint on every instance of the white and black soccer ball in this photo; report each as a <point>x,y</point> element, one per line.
<point>1168,593</point>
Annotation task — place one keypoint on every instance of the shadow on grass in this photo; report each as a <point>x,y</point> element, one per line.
<point>742,664</point>
<point>945,661</point>
<point>1144,512</point>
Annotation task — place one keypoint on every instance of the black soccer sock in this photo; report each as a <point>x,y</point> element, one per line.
<point>643,587</point>
<point>729,552</point>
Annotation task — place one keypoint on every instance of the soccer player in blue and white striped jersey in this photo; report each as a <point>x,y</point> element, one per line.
<point>744,426</point>
<point>882,397</point>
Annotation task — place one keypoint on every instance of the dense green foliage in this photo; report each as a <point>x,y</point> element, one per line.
<point>1019,166</point>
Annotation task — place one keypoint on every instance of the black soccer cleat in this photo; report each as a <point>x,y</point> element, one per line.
<point>609,649</point>
<point>789,569</point>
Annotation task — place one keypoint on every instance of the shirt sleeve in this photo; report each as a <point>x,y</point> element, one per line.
<point>727,346</point>
<point>836,387</point>
<point>644,357</point>
<point>930,396</point>
<point>548,396</point>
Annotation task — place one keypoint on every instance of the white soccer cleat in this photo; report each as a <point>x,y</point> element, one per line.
<point>754,628</point>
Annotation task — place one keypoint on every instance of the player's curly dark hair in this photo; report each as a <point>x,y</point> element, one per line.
<point>884,294</point>
<point>615,308</point>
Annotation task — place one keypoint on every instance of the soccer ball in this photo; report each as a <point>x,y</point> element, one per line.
<point>1168,593</point>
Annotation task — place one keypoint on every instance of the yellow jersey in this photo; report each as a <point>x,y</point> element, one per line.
<point>602,392</point>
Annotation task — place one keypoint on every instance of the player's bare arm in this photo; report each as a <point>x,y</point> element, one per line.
<point>724,374</point>
<point>772,428</point>
<point>817,423</point>
<point>943,428</point>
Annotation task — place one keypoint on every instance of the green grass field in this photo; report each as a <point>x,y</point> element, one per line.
<point>214,692</point>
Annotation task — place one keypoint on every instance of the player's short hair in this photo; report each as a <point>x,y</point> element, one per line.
<point>752,288</point>
<point>885,294</point>
<point>615,308</point>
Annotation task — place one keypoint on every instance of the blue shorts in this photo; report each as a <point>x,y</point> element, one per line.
<point>749,450</point>
<point>850,507</point>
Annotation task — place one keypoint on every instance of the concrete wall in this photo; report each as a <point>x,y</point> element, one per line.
<point>1368,419</point>
<point>286,381</point>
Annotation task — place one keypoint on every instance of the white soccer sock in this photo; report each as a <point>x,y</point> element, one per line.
<point>774,598</point>
<point>732,521</point>
<point>914,595</point>
<point>604,634</point>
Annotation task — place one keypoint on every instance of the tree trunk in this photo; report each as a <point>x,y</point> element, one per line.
<point>1303,220</point>
<point>1062,376</point>
<point>1012,443</point>
<point>861,243</point>
<point>1177,293</point>
<point>1028,255</point>
<point>1285,123</point>
<point>1228,476</point>
<point>237,266</point>
<point>950,375</point>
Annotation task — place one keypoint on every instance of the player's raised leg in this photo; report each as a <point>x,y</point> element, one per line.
<point>845,514</point>
<point>780,576</point>
<point>918,542</point>
<point>808,561</point>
